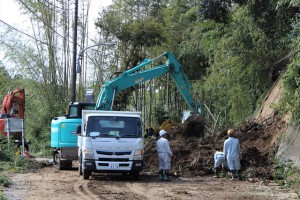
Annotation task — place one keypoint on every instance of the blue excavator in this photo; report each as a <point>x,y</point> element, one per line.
<point>136,75</point>
<point>63,129</point>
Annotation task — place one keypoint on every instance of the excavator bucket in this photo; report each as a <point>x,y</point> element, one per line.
<point>194,125</point>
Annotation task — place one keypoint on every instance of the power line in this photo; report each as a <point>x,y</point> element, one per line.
<point>40,19</point>
<point>118,4</point>
<point>35,39</point>
<point>60,14</point>
<point>55,21</point>
<point>55,7</point>
<point>23,33</point>
<point>45,43</point>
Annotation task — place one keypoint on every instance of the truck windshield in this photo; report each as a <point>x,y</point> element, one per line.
<point>116,127</point>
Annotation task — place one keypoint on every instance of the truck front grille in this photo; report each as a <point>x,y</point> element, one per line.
<point>120,165</point>
<point>121,153</point>
<point>113,159</point>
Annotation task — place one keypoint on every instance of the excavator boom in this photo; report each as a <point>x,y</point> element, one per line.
<point>135,76</point>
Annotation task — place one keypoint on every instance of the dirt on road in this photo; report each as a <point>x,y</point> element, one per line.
<point>51,183</point>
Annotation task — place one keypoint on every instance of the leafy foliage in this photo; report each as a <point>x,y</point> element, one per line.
<point>233,49</point>
<point>218,10</point>
<point>159,114</point>
<point>11,160</point>
<point>290,102</point>
<point>4,180</point>
<point>237,76</point>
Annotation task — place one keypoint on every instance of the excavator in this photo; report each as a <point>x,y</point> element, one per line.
<point>135,76</point>
<point>13,106</point>
<point>194,116</point>
<point>63,132</point>
<point>63,138</point>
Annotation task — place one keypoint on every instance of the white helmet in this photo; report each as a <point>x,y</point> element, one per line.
<point>162,132</point>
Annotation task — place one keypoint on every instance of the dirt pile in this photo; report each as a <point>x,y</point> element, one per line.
<point>193,127</point>
<point>193,156</point>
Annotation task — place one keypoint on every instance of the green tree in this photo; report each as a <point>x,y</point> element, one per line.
<point>237,76</point>
<point>290,102</point>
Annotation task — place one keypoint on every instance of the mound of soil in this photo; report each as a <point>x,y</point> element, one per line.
<point>193,156</point>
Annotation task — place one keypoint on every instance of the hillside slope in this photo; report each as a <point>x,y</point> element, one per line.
<point>289,141</point>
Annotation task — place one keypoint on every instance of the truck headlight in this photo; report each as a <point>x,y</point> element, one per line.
<point>138,154</point>
<point>88,154</point>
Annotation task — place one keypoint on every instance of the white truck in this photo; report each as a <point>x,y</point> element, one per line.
<point>110,142</point>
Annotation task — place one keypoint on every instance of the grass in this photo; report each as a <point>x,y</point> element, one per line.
<point>288,176</point>
<point>4,182</point>
<point>11,161</point>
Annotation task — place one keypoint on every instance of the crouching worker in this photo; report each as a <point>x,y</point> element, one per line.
<point>219,163</point>
<point>164,155</point>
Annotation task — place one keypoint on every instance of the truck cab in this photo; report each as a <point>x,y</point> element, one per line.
<point>110,142</point>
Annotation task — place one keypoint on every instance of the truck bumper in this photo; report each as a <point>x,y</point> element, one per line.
<point>134,166</point>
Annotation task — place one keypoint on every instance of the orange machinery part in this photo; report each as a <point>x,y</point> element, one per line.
<point>17,96</point>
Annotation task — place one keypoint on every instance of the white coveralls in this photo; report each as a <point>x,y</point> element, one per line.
<point>164,154</point>
<point>219,160</point>
<point>232,153</point>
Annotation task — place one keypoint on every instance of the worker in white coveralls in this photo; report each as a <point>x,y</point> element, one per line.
<point>219,163</point>
<point>164,155</point>
<point>231,151</point>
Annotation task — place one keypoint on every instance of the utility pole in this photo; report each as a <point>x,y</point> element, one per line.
<point>73,86</point>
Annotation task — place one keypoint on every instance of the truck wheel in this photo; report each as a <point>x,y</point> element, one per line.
<point>67,164</point>
<point>80,166</point>
<point>135,175</point>
<point>57,162</point>
<point>54,160</point>
<point>80,169</point>
<point>54,153</point>
<point>86,174</point>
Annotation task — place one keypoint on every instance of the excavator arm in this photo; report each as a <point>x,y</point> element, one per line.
<point>135,76</point>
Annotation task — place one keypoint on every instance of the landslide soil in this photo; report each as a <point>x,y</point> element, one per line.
<point>193,156</point>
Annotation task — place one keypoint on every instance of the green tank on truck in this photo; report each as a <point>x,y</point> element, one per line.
<point>64,136</point>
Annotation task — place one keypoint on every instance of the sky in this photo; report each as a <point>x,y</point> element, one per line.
<point>11,15</point>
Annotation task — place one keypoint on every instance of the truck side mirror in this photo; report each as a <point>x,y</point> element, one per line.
<point>78,129</point>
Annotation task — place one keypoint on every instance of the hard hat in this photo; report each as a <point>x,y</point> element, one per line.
<point>230,132</point>
<point>162,132</point>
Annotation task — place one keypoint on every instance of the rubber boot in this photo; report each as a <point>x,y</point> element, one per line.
<point>239,175</point>
<point>216,171</point>
<point>166,175</point>
<point>233,172</point>
<point>161,176</point>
